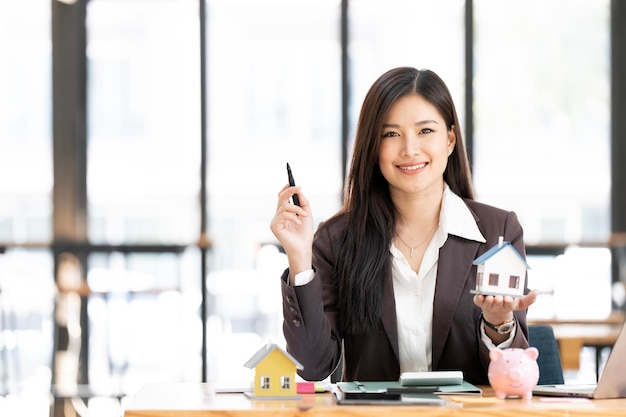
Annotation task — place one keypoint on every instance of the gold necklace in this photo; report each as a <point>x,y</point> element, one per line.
<point>419,244</point>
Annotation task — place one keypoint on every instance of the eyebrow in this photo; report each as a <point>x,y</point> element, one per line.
<point>420,123</point>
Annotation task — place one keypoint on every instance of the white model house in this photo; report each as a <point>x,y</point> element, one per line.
<point>501,271</point>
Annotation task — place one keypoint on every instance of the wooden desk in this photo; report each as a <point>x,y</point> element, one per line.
<point>197,400</point>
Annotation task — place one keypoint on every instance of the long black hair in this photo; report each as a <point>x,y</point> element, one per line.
<point>364,253</point>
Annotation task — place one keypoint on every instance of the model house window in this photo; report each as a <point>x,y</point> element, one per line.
<point>285,382</point>
<point>265,382</point>
<point>493,279</point>
<point>513,281</point>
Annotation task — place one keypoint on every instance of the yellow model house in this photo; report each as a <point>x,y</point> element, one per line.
<point>274,373</point>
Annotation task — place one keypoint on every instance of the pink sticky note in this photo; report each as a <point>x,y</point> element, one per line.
<point>307,387</point>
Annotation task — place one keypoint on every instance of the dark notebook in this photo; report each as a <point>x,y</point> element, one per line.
<point>394,392</point>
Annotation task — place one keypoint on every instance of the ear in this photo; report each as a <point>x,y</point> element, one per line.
<point>532,353</point>
<point>495,354</point>
<point>451,140</point>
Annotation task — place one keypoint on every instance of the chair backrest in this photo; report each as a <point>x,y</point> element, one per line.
<point>542,337</point>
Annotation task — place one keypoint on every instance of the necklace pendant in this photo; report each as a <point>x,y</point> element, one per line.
<point>412,249</point>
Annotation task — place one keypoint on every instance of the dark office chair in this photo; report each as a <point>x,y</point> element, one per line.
<point>542,337</point>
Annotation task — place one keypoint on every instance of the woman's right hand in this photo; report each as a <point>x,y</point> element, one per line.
<point>293,227</point>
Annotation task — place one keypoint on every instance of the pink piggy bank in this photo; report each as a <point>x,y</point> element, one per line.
<point>513,372</point>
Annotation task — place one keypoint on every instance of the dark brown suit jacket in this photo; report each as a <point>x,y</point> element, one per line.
<point>315,336</point>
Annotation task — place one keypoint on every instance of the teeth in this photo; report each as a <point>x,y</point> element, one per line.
<point>414,167</point>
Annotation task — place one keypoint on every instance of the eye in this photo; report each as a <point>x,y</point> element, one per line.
<point>426,130</point>
<point>390,134</point>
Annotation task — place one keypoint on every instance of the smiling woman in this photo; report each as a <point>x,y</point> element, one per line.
<point>386,307</point>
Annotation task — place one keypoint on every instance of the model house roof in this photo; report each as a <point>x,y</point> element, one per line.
<point>497,248</point>
<point>266,350</point>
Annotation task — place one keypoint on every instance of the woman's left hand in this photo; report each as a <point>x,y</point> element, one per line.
<point>498,308</point>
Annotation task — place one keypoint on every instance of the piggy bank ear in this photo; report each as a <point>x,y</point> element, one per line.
<point>495,354</point>
<point>532,353</point>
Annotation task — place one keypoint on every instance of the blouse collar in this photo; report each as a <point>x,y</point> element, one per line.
<point>456,218</point>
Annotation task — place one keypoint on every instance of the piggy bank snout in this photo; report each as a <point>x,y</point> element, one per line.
<point>521,373</point>
<point>515,374</point>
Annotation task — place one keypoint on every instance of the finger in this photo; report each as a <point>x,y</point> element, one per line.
<point>487,302</point>
<point>289,213</point>
<point>284,195</point>
<point>303,208</point>
<point>525,301</point>
<point>282,229</point>
<point>304,202</point>
<point>292,217</point>
<point>477,300</point>
<point>508,302</point>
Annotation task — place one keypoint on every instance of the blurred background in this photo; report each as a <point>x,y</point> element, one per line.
<point>143,143</point>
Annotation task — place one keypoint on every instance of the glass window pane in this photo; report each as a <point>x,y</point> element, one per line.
<point>542,141</point>
<point>144,319</point>
<point>26,320</point>
<point>274,75</point>
<point>563,283</point>
<point>143,184</point>
<point>144,124</point>
<point>274,97</point>
<point>25,121</point>
<point>423,34</point>
<point>542,114</point>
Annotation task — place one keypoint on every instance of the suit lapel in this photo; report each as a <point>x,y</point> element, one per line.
<point>452,276</point>
<point>389,312</point>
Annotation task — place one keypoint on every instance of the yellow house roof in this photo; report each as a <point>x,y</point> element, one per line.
<point>266,350</point>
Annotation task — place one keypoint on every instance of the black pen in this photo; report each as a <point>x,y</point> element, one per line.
<point>292,183</point>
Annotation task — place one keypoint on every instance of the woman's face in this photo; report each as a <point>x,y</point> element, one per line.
<point>415,145</point>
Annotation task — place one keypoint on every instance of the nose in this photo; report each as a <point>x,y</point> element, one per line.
<point>515,374</point>
<point>411,145</point>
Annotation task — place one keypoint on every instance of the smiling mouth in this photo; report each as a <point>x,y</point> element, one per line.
<point>413,167</point>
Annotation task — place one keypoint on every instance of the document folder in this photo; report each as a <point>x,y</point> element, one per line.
<point>393,392</point>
